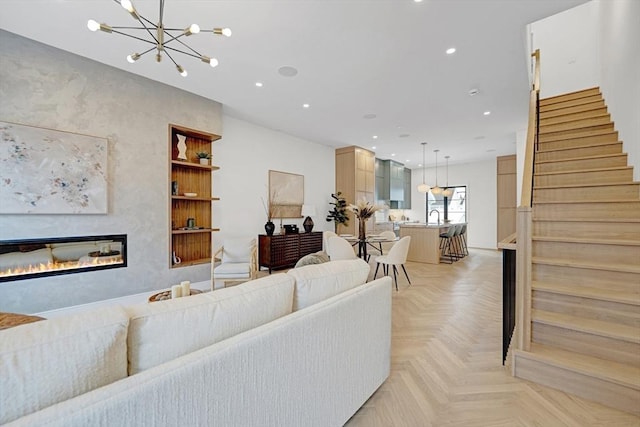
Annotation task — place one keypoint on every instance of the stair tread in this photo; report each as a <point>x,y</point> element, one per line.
<point>581,134</point>
<point>573,147</point>
<point>596,220</point>
<point>607,370</point>
<point>607,266</point>
<point>614,168</point>
<point>599,241</point>
<point>574,109</point>
<point>559,202</point>
<point>595,116</point>
<point>573,159</point>
<point>624,297</point>
<point>591,326</point>
<point>591,91</point>
<point>594,184</point>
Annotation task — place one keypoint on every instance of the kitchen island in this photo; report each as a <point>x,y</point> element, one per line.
<point>425,241</point>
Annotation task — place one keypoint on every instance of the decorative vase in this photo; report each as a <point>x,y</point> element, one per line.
<point>269,228</point>
<point>204,161</point>
<point>182,147</point>
<point>362,232</point>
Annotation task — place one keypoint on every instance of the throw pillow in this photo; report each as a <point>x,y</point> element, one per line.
<point>315,258</point>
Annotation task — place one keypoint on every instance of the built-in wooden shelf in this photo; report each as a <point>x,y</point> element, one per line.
<point>200,230</point>
<point>187,164</point>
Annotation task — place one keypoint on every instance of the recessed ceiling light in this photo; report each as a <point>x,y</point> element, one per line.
<point>491,150</point>
<point>287,71</point>
<point>305,105</point>
<point>451,50</point>
<point>486,113</point>
<point>473,92</point>
<point>393,154</point>
<point>417,1</point>
<point>407,160</point>
<point>373,148</point>
<point>404,135</point>
<point>419,165</point>
<point>369,116</point>
<point>479,137</point>
<point>375,136</point>
<point>259,84</point>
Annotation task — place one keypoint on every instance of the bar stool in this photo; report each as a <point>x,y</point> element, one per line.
<point>463,240</point>
<point>445,243</point>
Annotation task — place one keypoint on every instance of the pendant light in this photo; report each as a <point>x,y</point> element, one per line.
<point>448,192</point>
<point>436,190</point>
<point>423,188</point>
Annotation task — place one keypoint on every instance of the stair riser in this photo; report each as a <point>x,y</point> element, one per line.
<point>571,110</point>
<point>575,124</point>
<point>597,150</point>
<point>588,211</point>
<point>583,385</point>
<point>588,278</point>
<point>581,229</point>
<point>590,177</point>
<point>624,314</point>
<point>575,133</point>
<point>570,99</point>
<point>582,164</point>
<point>561,142</point>
<point>606,348</point>
<point>569,117</point>
<point>586,252</point>
<point>608,192</point>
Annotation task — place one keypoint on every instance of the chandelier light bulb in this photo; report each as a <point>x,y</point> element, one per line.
<point>93,25</point>
<point>193,29</point>
<point>182,71</point>
<point>127,5</point>
<point>133,57</point>
<point>226,32</point>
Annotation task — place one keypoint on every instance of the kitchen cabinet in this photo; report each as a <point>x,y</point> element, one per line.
<point>406,203</point>
<point>356,179</point>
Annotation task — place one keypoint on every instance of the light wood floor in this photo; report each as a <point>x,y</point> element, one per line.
<point>446,365</point>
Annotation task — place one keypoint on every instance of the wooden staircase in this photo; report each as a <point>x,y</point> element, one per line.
<point>585,254</point>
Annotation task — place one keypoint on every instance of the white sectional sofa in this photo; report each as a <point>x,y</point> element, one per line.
<point>305,348</point>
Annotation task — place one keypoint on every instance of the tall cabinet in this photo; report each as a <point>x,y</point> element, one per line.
<point>355,178</point>
<point>190,188</point>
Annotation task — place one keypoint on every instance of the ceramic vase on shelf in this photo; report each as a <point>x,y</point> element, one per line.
<point>269,227</point>
<point>204,161</point>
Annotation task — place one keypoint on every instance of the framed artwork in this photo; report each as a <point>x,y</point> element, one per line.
<point>286,194</point>
<point>46,171</point>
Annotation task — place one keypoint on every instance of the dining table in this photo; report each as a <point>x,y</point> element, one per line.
<point>373,240</point>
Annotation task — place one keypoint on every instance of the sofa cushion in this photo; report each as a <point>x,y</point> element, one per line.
<point>232,269</point>
<point>162,331</point>
<point>47,362</point>
<point>314,283</point>
<point>314,258</point>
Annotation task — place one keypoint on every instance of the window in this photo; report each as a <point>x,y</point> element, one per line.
<point>455,210</point>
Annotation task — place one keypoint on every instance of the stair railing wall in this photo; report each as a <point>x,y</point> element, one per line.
<point>524,222</point>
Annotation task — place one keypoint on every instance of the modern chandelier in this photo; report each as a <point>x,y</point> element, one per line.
<point>436,190</point>
<point>423,188</point>
<point>160,37</point>
<point>448,191</point>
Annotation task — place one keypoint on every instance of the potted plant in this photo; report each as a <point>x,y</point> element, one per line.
<point>339,212</point>
<point>269,209</point>
<point>363,210</point>
<point>204,157</point>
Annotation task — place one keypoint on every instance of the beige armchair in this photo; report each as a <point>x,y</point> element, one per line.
<point>239,262</point>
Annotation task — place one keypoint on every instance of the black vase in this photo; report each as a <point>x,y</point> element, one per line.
<point>269,227</point>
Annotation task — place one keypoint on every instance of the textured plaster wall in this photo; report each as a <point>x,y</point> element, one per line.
<point>51,88</point>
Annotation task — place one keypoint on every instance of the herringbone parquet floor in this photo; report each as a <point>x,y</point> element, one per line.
<point>446,359</point>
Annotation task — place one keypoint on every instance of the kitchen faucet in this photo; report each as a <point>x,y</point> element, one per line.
<point>436,211</point>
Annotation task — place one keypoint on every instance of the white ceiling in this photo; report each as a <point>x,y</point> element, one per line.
<point>354,57</point>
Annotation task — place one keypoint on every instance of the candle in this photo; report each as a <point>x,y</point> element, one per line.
<point>186,288</point>
<point>176,291</point>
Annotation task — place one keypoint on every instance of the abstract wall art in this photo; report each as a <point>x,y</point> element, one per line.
<point>286,194</point>
<point>45,171</point>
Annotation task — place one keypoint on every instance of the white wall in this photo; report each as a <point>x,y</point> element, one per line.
<point>43,86</point>
<point>620,71</point>
<point>595,44</point>
<point>481,181</point>
<point>568,44</point>
<point>245,155</point>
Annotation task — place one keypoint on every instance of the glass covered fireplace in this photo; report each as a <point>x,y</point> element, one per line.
<point>31,258</point>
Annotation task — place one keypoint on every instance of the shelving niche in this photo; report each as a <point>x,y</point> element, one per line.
<point>192,245</point>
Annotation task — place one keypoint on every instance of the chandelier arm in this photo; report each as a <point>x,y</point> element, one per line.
<point>146,51</point>
<point>170,57</point>
<point>198,56</point>
<point>134,37</point>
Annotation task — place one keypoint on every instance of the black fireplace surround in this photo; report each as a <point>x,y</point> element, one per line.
<point>41,257</point>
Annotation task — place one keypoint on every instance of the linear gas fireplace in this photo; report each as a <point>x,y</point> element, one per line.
<point>31,258</point>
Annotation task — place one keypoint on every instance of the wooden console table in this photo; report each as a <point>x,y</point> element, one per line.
<point>284,250</point>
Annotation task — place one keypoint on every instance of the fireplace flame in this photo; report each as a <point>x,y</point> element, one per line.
<point>60,265</point>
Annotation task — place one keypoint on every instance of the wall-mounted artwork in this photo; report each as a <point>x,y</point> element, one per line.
<point>44,171</point>
<point>286,194</point>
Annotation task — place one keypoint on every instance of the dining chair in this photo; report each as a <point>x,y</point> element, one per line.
<point>384,237</point>
<point>339,248</point>
<point>325,237</point>
<point>239,261</point>
<point>397,255</point>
